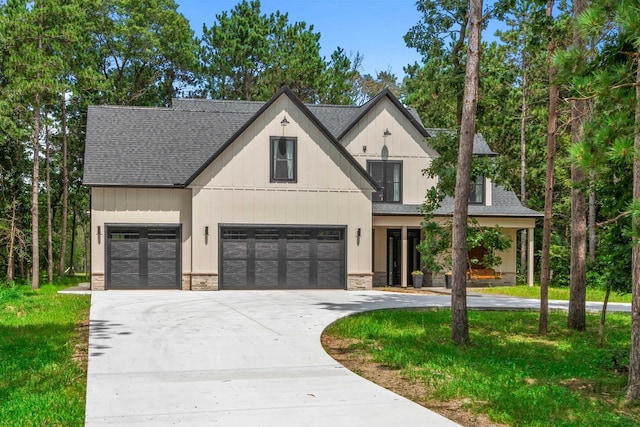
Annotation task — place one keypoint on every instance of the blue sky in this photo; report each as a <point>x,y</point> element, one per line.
<point>375,28</point>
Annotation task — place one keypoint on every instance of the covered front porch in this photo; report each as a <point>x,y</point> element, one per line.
<point>394,253</point>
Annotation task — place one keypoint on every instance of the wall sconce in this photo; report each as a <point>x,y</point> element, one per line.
<point>364,148</point>
<point>386,133</point>
<point>206,231</point>
<point>284,121</point>
<point>359,233</point>
<point>99,231</point>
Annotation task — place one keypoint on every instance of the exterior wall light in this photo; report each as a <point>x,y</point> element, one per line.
<point>284,121</point>
<point>386,133</point>
<point>99,231</point>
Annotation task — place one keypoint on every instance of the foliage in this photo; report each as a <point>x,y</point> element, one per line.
<point>490,238</point>
<point>248,55</point>
<point>41,381</point>
<point>435,248</point>
<point>509,370</point>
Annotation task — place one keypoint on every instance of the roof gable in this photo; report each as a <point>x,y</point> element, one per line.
<point>364,109</point>
<point>312,118</point>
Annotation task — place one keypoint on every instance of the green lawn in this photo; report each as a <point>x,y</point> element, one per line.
<point>554,293</point>
<point>42,370</point>
<point>509,372</point>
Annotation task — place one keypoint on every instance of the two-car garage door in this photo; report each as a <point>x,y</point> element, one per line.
<point>277,257</point>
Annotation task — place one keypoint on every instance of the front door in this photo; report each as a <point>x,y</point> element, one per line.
<point>394,255</point>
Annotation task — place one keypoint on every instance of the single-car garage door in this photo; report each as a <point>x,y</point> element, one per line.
<point>277,257</point>
<point>143,257</point>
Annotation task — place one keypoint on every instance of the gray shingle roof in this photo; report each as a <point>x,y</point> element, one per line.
<point>480,145</point>
<point>152,146</point>
<point>159,147</point>
<point>503,203</point>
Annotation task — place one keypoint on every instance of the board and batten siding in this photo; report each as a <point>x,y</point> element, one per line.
<point>114,205</point>
<point>236,189</point>
<point>404,144</point>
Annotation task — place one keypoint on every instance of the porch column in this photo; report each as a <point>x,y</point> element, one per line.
<point>530,256</point>
<point>403,271</point>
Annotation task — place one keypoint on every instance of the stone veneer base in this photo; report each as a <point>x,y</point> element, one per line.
<point>204,282</point>
<point>362,281</point>
<point>97,282</point>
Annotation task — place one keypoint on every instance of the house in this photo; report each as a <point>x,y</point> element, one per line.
<point>211,195</point>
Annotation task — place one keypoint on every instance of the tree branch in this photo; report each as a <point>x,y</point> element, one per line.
<point>612,220</point>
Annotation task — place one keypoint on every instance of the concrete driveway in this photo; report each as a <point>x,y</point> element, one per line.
<point>242,358</point>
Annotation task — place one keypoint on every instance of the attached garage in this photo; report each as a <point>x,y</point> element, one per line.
<point>142,257</point>
<point>282,257</point>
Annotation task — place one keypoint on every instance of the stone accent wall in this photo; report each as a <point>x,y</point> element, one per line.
<point>186,282</point>
<point>97,282</point>
<point>204,282</point>
<point>363,281</point>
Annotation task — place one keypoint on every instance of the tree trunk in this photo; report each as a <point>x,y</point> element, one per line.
<point>633,388</point>
<point>12,240</point>
<point>523,165</point>
<point>35,249</point>
<point>591,224</point>
<point>65,189</point>
<point>73,241</point>
<point>460,321</point>
<point>552,127</point>
<point>48,190</point>
<point>603,316</point>
<point>578,285</point>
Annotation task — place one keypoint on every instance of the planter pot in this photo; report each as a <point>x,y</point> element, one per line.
<point>417,281</point>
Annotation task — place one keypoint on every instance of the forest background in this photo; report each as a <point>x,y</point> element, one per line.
<point>58,57</point>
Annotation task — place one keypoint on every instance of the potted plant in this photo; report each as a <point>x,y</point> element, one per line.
<point>417,277</point>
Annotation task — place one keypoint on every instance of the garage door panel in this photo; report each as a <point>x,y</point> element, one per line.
<point>235,272</point>
<point>266,250</point>
<point>162,250</point>
<point>125,249</point>
<point>329,272</point>
<point>330,250</point>
<point>266,274</point>
<point>297,274</point>
<point>235,250</point>
<point>297,249</point>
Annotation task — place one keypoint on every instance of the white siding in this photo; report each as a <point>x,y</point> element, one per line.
<point>404,144</point>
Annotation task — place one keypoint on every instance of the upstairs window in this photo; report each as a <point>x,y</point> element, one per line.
<point>283,159</point>
<point>476,195</point>
<point>388,175</point>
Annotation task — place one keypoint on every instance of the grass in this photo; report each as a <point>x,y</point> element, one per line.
<point>42,376</point>
<point>554,293</point>
<point>509,373</point>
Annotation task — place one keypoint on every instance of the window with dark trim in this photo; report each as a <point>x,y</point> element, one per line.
<point>476,193</point>
<point>389,175</point>
<point>283,159</point>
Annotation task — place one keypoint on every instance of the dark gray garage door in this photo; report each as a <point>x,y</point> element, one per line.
<point>282,258</point>
<point>143,257</point>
